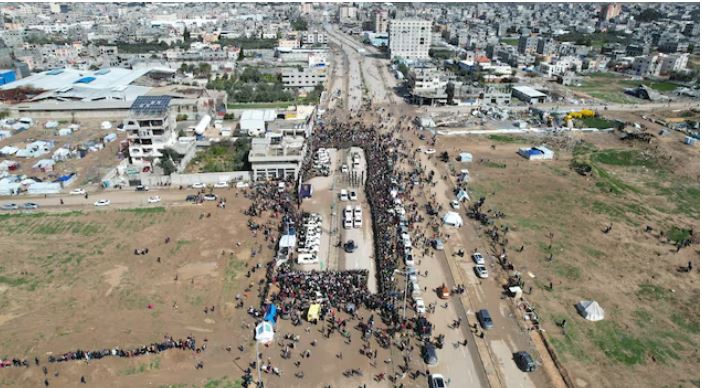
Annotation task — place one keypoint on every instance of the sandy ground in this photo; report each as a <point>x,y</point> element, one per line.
<point>629,271</point>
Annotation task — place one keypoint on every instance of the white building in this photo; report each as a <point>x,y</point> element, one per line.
<point>410,39</point>
<point>380,21</point>
<point>150,128</point>
<point>253,121</point>
<point>305,78</point>
<point>659,64</point>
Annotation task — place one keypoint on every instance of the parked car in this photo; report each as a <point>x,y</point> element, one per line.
<point>419,306</point>
<point>9,206</point>
<point>154,199</point>
<point>357,223</point>
<point>481,271</point>
<point>242,185</point>
<point>102,202</point>
<point>348,223</point>
<point>429,354</point>
<point>191,198</point>
<point>344,168</point>
<point>438,244</point>
<point>221,185</point>
<point>429,151</point>
<point>199,185</point>
<point>77,191</point>
<point>478,258</point>
<point>348,211</point>
<point>209,197</point>
<point>142,188</point>
<point>485,319</point>
<point>455,204</point>
<point>524,361</point>
<point>353,196</point>
<point>344,195</point>
<point>30,206</point>
<point>437,381</point>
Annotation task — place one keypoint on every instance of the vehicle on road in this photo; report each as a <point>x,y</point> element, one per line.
<point>221,185</point>
<point>409,260</point>
<point>352,195</point>
<point>455,204</point>
<point>9,206</point>
<point>437,381</point>
<point>348,211</point>
<point>357,212</point>
<point>444,292</point>
<point>357,223</point>
<point>344,195</point>
<point>438,244</point>
<point>344,168</point>
<point>429,354</point>
<point>102,202</point>
<point>481,271</point>
<point>485,319</point>
<point>524,361</point>
<point>191,198</point>
<point>419,306</point>
<point>478,258</point>
<point>199,185</point>
<point>242,185</point>
<point>78,191</point>
<point>429,151</point>
<point>142,188</point>
<point>209,197</point>
<point>154,199</point>
<point>30,206</point>
<point>348,223</point>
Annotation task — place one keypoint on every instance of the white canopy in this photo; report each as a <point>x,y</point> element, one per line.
<point>264,332</point>
<point>453,219</point>
<point>288,241</point>
<point>590,310</point>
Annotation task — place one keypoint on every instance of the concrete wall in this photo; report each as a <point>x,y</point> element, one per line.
<point>209,178</point>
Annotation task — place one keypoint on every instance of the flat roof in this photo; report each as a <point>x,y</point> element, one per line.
<point>150,104</point>
<point>529,91</point>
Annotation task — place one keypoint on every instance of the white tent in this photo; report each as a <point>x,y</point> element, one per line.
<point>590,310</point>
<point>288,241</point>
<point>264,332</point>
<point>106,125</point>
<point>453,219</point>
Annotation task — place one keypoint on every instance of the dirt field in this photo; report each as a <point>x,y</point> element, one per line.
<point>91,168</point>
<point>650,335</point>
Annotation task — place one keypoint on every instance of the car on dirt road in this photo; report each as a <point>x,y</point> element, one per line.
<point>221,185</point>
<point>199,185</point>
<point>77,191</point>
<point>484,319</point>
<point>478,258</point>
<point>429,151</point>
<point>437,381</point>
<point>154,199</point>
<point>209,197</point>
<point>419,306</point>
<point>429,354</point>
<point>142,188</point>
<point>481,271</point>
<point>524,361</point>
<point>102,202</point>
<point>9,206</point>
<point>30,206</point>
<point>455,204</point>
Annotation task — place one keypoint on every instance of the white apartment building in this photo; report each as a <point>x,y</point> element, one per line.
<point>314,37</point>
<point>659,64</point>
<point>380,21</point>
<point>150,128</point>
<point>410,38</point>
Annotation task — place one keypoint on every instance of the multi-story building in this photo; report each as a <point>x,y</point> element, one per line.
<point>674,63</point>
<point>150,128</point>
<point>276,156</point>
<point>314,37</point>
<point>635,50</point>
<point>659,64</point>
<point>610,11</point>
<point>528,44</point>
<point>303,78</point>
<point>380,21</point>
<point>410,39</point>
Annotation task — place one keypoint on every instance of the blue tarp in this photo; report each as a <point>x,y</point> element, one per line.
<point>85,80</point>
<point>65,177</point>
<point>271,313</point>
<point>534,151</point>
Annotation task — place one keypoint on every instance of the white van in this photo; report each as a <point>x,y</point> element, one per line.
<point>348,223</point>
<point>416,290</point>
<point>357,212</point>
<point>344,195</point>
<point>348,213</point>
<point>357,223</point>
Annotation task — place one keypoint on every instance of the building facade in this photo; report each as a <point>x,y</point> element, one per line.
<point>150,128</point>
<point>276,156</point>
<point>409,39</point>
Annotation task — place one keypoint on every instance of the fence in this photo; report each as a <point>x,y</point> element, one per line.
<point>189,179</point>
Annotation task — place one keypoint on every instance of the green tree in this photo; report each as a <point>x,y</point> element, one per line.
<point>204,70</point>
<point>167,165</point>
<point>241,55</point>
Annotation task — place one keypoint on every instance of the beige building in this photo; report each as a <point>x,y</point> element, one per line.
<point>409,39</point>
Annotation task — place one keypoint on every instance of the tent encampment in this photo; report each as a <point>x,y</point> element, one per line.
<point>453,219</point>
<point>590,310</point>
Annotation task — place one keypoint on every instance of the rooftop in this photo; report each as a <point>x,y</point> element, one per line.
<point>148,105</point>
